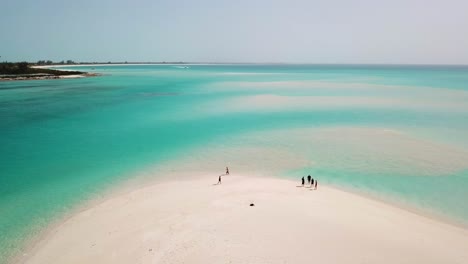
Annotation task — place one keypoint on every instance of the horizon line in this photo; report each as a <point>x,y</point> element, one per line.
<point>234,63</point>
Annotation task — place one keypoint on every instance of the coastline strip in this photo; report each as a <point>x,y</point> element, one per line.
<point>196,221</point>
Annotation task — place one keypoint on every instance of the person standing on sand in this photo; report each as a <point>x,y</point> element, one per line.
<point>227,170</point>
<point>308,179</point>
<point>311,182</point>
<point>315,184</point>
<point>303,181</point>
<point>219,179</point>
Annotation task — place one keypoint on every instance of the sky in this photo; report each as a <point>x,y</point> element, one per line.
<point>259,31</point>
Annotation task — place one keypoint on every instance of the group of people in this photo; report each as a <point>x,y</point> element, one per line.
<point>313,183</point>
<point>227,173</point>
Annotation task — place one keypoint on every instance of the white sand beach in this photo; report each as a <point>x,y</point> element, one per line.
<point>196,221</point>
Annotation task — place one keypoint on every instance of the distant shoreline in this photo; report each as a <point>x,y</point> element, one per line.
<point>242,63</point>
<point>46,76</point>
<point>331,65</point>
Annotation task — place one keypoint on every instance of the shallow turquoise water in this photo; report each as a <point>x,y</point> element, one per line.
<point>64,141</point>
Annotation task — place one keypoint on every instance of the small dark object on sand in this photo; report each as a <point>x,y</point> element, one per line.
<point>252,204</point>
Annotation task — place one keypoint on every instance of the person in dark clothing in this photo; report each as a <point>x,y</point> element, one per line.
<point>312,182</point>
<point>303,181</point>
<point>308,179</point>
<point>315,184</point>
<point>227,171</point>
<point>219,179</point>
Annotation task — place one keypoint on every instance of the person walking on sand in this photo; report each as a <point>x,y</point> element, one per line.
<point>315,184</point>
<point>219,179</point>
<point>303,181</point>
<point>227,170</point>
<point>308,179</point>
<point>312,182</point>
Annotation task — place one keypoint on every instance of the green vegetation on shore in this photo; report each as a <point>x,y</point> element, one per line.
<point>23,68</point>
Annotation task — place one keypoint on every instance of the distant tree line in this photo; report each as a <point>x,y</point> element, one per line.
<point>19,68</point>
<point>49,62</point>
<point>71,62</point>
<point>14,68</point>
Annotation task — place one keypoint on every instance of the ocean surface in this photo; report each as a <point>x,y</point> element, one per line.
<point>396,133</point>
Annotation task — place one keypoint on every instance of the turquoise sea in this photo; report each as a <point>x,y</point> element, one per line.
<point>397,133</point>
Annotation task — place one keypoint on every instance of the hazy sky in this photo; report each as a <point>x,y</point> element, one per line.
<point>297,31</point>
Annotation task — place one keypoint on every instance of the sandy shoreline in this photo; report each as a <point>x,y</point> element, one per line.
<point>49,77</point>
<point>194,221</point>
